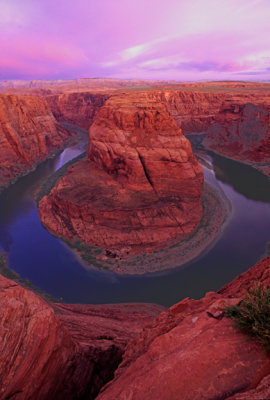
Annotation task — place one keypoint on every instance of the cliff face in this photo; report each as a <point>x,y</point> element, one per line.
<point>236,121</point>
<point>61,351</point>
<point>28,134</point>
<point>135,140</point>
<point>68,355</point>
<point>191,351</point>
<point>76,108</point>
<point>140,187</point>
<point>242,131</point>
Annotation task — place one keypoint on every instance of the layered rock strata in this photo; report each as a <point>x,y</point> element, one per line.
<point>56,351</point>
<point>77,109</point>
<point>140,186</point>
<point>193,352</point>
<point>242,131</point>
<point>28,134</point>
<point>190,351</point>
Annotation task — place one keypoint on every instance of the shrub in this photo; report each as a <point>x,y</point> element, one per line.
<point>252,314</point>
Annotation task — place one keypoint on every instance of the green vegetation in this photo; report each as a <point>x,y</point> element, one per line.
<point>47,186</point>
<point>252,315</point>
<point>8,273</point>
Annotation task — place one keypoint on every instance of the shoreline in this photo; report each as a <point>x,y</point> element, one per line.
<point>175,254</point>
<point>54,153</point>
<point>171,255</point>
<point>198,144</point>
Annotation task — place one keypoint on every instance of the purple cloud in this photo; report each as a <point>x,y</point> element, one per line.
<point>202,39</point>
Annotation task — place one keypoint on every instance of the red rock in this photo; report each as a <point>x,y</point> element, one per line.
<point>77,109</point>
<point>241,131</point>
<point>28,134</point>
<point>192,352</point>
<point>141,186</point>
<point>261,392</point>
<point>259,273</point>
<point>71,354</point>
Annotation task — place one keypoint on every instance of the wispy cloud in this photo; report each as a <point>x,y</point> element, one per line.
<point>159,39</point>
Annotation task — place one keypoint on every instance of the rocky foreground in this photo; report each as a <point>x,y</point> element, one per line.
<point>190,351</point>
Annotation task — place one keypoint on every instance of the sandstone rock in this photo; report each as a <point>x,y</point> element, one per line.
<point>140,187</point>
<point>241,131</point>
<point>259,273</point>
<point>28,134</point>
<point>77,109</point>
<point>193,352</point>
<point>69,354</point>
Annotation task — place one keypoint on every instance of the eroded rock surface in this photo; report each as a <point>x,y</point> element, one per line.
<point>193,352</point>
<point>28,134</point>
<point>139,188</point>
<point>242,131</point>
<point>56,351</point>
<point>77,109</point>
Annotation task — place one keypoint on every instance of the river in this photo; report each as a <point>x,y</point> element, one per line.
<point>53,267</point>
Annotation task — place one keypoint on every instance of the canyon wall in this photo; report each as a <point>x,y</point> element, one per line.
<point>59,351</point>
<point>241,130</point>
<point>236,120</point>
<point>190,351</point>
<point>140,186</point>
<point>77,109</point>
<point>235,117</point>
<point>28,134</point>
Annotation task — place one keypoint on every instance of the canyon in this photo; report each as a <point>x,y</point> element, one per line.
<point>62,351</point>
<point>32,114</point>
<point>140,181</point>
<point>29,134</point>
<point>139,187</point>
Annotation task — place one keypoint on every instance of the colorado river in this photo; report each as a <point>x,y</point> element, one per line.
<point>50,265</point>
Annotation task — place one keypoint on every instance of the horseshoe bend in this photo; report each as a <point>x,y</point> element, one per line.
<point>138,189</point>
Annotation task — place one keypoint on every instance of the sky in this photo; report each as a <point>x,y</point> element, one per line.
<point>141,39</point>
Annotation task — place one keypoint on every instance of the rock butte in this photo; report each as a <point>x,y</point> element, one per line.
<point>190,351</point>
<point>227,111</point>
<point>139,188</point>
<point>59,351</point>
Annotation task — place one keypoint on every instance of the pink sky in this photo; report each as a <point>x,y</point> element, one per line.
<point>152,39</point>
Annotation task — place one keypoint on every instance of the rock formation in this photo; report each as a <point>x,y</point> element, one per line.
<point>139,188</point>
<point>28,134</point>
<point>193,352</point>
<point>236,120</point>
<point>242,131</point>
<point>190,351</point>
<point>230,113</point>
<point>64,354</point>
<point>77,109</point>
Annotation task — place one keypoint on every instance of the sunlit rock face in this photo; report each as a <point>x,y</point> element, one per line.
<point>192,351</point>
<point>28,134</point>
<point>235,119</point>
<point>77,109</point>
<point>140,186</point>
<point>61,351</point>
<point>242,131</point>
